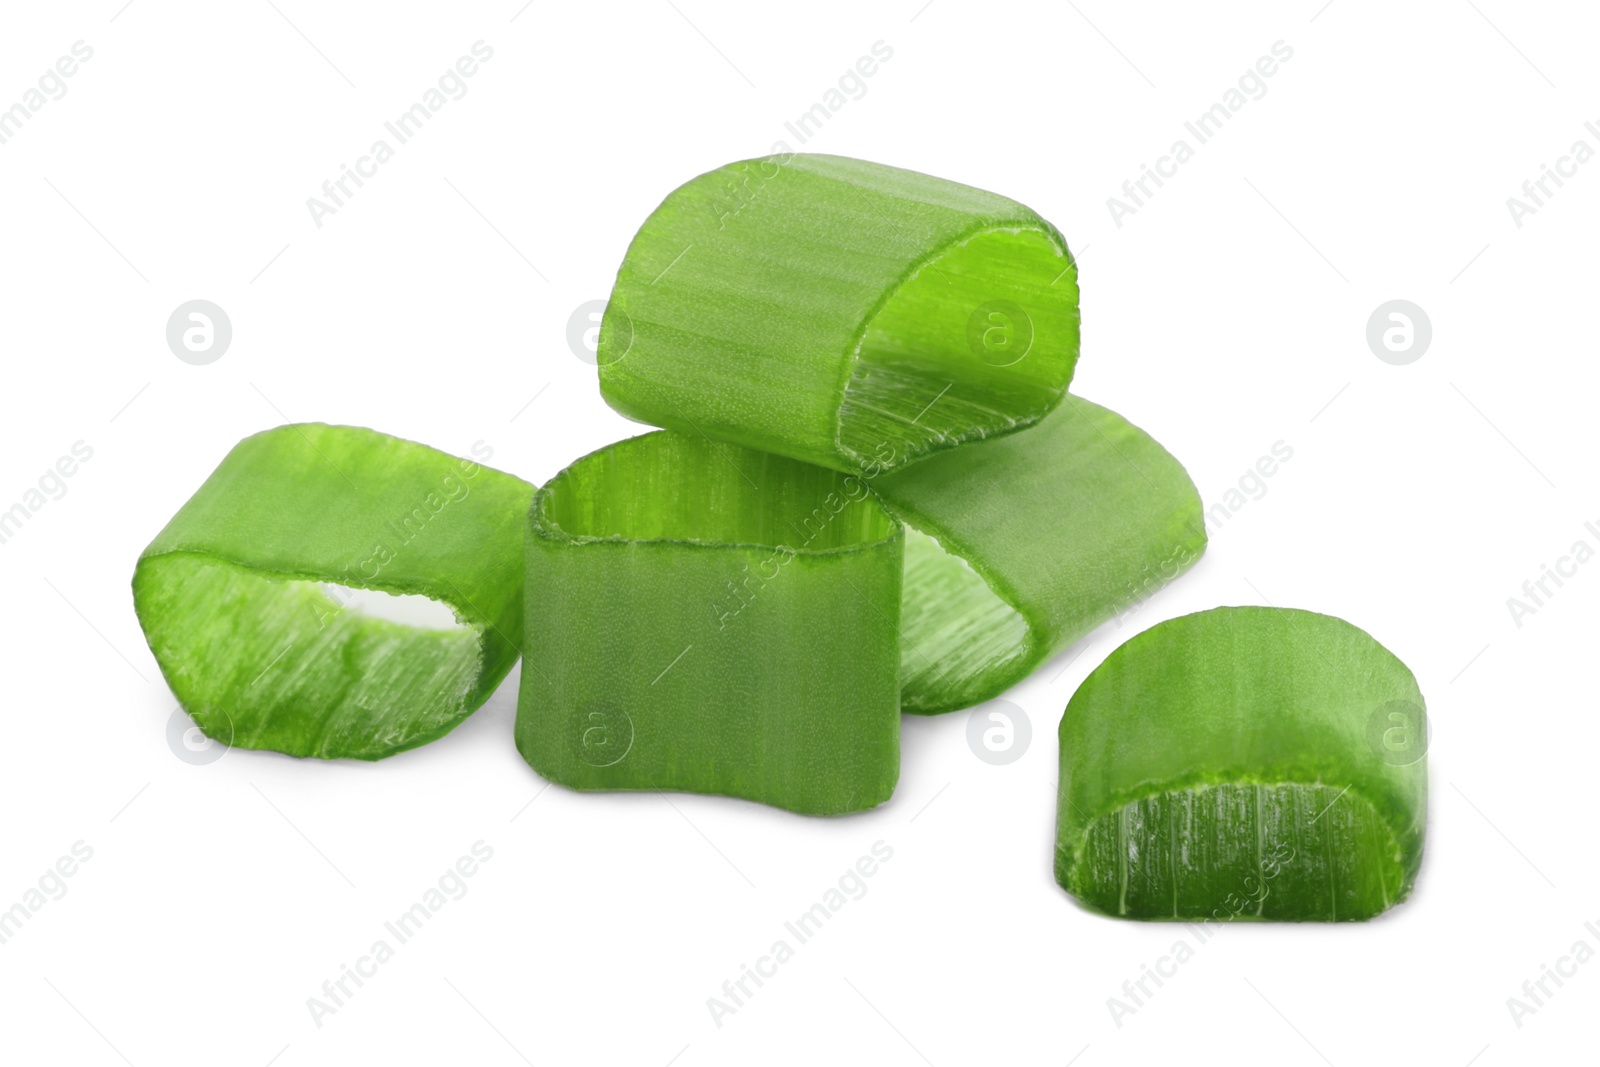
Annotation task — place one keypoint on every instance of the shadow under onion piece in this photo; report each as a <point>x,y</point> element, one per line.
<point>1017,547</point>
<point>1244,763</point>
<point>839,311</point>
<point>707,618</point>
<point>234,594</point>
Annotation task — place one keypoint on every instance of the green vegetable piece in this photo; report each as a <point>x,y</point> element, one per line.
<point>1250,763</point>
<point>714,620</point>
<point>1017,547</point>
<point>233,594</point>
<point>831,309</point>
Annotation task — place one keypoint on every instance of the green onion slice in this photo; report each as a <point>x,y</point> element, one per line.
<point>839,311</point>
<point>1017,547</point>
<point>712,619</point>
<point>264,600</point>
<point>1248,762</point>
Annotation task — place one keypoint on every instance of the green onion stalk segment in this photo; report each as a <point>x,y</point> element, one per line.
<point>244,595</point>
<point>1018,546</point>
<point>1244,763</point>
<point>835,310</point>
<point>708,618</point>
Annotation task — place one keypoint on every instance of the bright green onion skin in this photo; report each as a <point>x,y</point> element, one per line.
<point>231,595</point>
<point>840,312</point>
<point>1244,763</point>
<point>1018,546</point>
<point>711,619</point>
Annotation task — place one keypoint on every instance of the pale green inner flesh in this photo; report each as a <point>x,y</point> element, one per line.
<point>1210,853</point>
<point>684,488</point>
<point>927,370</point>
<point>281,664</point>
<point>955,631</point>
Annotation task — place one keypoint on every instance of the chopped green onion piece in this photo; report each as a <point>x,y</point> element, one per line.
<point>840,312</point>
<point>245,597</point>
<point>714,620</point>
<point>1017,547</point>
<point>1252,763</point>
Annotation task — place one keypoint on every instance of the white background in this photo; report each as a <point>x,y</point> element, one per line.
<point>1227,314</point>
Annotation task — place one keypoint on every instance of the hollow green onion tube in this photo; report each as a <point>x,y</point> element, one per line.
<point>1250,763</point>
<point>712,619</point>
<point>245,597</point>
<point>1017,547</point>
<point>821,307</point>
